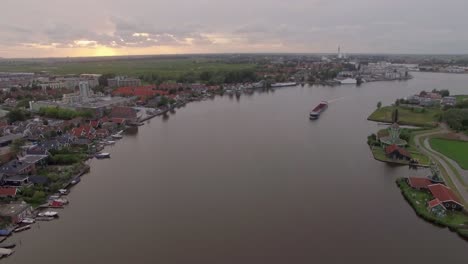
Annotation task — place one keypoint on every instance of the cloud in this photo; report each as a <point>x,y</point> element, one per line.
<point>51,27</point>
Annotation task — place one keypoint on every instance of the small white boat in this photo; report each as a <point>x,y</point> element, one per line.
<point>48,214</point>
<point>6,251</point>
<point>109,142</point>
<point>28,221</point>
<point>103,155</point>
<point>22,228</point>
<point>117,136</point>
<point>62,200</point>
<point>63,191</point>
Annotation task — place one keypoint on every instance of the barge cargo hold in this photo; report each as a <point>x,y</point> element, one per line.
<point>315,113</point>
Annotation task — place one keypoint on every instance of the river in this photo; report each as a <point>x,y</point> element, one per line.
<point>250,180</point>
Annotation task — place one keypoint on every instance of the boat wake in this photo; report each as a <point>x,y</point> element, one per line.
<point>336,99</point>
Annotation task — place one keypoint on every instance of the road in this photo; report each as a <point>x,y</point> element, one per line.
<point>427,150</point>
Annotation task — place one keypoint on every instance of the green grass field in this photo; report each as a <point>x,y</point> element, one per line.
<point>428,118</point>
<point>461,98</point>
<point>169,68</point>
<point>454,149</point>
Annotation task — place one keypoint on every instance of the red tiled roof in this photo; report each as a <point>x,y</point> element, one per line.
<point>419,183</point>
<point>118,120</point>
<point>392,148</point>
<point>443,193</point>
<point>4,191</point>
<point>104,119</point>
<point>434,203</point>
<point>94,123</point>
<point>123,112</point>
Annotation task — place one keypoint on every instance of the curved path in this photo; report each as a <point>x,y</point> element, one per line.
<point>426,149</point>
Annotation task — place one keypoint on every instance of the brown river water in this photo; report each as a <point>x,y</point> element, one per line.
<point>249,180</point>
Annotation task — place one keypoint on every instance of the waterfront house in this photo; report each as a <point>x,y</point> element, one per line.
<point>127,113</point>
<point>39,180</point>
<point>16,167</point>
<point>37,160</point>
<point>17,181</point>
<point>436,207</point>
<point>85,131</point>
<point>446,196</point>
<point>419,183</point>
<point>102,133</point>
<point>8,139</point>
<point>8,192</point>
<point>449,101</point>
<point>15,212</point>
<point>397,153</point>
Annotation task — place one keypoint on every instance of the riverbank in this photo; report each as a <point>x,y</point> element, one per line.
<point>407,115</point>
<point>418,199</point>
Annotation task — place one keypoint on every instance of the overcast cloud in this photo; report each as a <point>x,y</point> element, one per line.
<point>33,28</point>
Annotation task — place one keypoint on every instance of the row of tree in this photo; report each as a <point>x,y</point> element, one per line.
<point>208,77</point>
<point>456,118</point>
<point>63,113</point>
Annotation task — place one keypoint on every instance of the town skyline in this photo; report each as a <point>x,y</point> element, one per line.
<point>123,28</point>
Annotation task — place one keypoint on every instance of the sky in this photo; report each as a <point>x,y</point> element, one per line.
<point>73,28</point>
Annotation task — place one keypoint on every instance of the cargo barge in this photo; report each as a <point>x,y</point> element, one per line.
<point>315,113</point>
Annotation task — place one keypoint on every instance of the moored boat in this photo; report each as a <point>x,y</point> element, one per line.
<point>22,228</point>
<point>315,113</point>
<point>285,84</point>
<point>28,221</point>
<point>11,245</point>
<point>76,180</point>
<point>5,252</point>
<point>103,155</point>
<point>117,136</point>
<point>48,214</point>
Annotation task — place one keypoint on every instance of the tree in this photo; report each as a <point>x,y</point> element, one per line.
<point>16,115</point>
<point>103,79</point>
<point>379,104</point>
<point>17,145</point>
<point>395,116</point>
<point>163,101</point>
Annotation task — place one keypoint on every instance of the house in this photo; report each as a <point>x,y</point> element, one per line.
<point>85,131</point>
<point>15,212</point>
<point>16,167</point>
<point>419,183</point>
<point>37,160</point>
<point>17,181</point>
<point>397,153</point>
<point>414,99</point>
<point>52,144</point>
<point>449,101</point>
<point>8,139</point>
<point>436,207</point>
<point>127,113</point>
<point>8,192</point>
<point>446,196</point>
<point>6,154</point>
<point>39,180</point>
<point>102,133</point>
<point>37,150</point>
